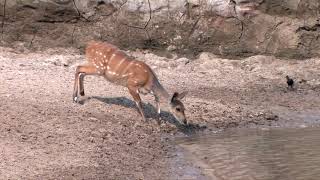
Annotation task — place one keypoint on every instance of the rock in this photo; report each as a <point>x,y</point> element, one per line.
<point>272,117</point>
<point>171,48</point>
<point>206,56</point>
<point>182,61</point>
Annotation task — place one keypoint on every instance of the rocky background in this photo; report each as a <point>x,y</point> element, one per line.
<point>287,28</point>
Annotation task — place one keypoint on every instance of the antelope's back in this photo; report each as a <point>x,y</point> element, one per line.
<point>115,65</point>
<point>102,54</point>
<point>106,58</point>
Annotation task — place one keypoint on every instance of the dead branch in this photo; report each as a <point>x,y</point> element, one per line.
<point>146,24</point>
<point>242,30</point>
<point>74,3</point>
<point>79,13</point>
<point>125,2</point>
<point>194,26</point>
<point>3,17</point>
<point>72,36</point>
<point>33,37</point>
<point>234,3</point>
<point>111,13</point>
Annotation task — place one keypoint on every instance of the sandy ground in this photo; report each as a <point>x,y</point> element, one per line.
<point>44,135</point>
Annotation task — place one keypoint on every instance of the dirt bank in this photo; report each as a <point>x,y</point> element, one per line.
<point>45,135</point>
<point>238,28</point>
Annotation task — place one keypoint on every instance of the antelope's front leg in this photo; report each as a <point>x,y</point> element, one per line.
<point>134,93</point>
<point>158,105</point>
<point>158,109</point>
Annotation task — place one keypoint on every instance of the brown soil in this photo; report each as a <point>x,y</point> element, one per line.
<point>44,135</point>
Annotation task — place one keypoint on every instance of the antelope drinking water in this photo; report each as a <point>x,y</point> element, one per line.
<point>108,61</point>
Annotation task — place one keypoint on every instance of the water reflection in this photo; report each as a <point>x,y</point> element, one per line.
<point>284,154</point>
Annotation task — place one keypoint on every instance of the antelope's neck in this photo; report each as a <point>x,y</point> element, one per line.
<point>160,92</point>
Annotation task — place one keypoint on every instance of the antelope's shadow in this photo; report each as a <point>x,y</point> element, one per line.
<point>150,113</point>
<point>149,110</point>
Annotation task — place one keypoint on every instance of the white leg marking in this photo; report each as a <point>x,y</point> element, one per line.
<point>81,75</point>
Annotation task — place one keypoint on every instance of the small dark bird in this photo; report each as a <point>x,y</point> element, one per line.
<point>290,82</point>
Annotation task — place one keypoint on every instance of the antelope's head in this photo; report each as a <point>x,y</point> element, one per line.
<point>177,107</point>
<point>287,77</point>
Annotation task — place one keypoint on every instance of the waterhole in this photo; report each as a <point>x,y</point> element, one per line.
<point>245,154</point>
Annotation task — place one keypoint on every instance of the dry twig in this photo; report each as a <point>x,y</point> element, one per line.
<point>72,36</point>
<point>147,23</point>
<point>234,3</point>
<point>194,26</point>
<point>3,17</point>
<point>79,13</point>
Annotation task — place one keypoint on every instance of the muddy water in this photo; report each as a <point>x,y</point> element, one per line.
<point>284,154</point>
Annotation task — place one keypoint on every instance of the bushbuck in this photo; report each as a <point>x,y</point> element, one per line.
<point>107,60</point>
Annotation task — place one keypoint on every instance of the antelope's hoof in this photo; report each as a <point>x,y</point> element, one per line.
<point>81,93</point>
<point>76,99</point>
<point>185,122</point>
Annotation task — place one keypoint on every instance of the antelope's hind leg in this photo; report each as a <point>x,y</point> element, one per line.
<point>81,71</point>
<point>75,87</point>
<point>81,87</point>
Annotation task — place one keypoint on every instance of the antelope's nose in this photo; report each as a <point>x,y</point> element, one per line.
<point>185,122</point>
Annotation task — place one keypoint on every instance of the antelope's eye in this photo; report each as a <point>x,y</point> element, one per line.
<point>178,109</point>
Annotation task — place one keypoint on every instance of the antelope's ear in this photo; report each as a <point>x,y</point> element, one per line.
<point>174,96</point>
<point>177,96</point>
<point>182,95</point>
